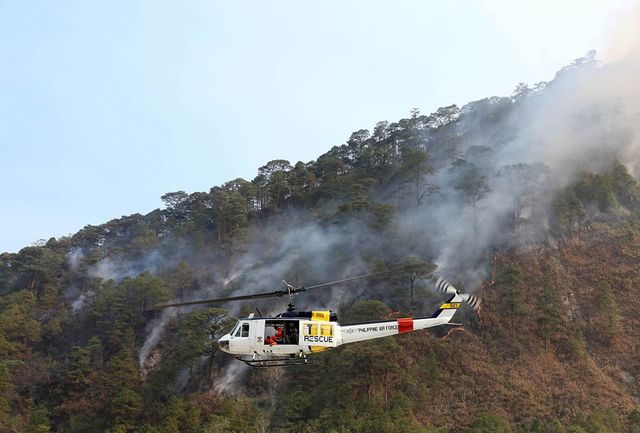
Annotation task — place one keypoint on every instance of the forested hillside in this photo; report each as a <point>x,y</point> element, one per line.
<point>529,201</point>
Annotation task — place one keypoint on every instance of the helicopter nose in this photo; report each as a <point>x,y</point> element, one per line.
<point>223,343</point>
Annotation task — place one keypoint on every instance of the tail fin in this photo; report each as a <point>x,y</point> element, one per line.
<point>449,308</point>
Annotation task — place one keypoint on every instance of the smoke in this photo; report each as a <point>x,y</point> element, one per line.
<point>624,35</point>
<point>154,333</point>
<point>292,246</point>
<point>231,378</point>
<point>81,301</point>
<point>587,119</point>
<point>531,146</point>
<point>74,257</point>
<point>118,267</point>
<point>74,294</point>
<point>295,247</point>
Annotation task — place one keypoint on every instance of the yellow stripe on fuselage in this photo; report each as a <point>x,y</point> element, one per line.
<point>450,306</point>
<point>321,316</point>
<point>316,349</point>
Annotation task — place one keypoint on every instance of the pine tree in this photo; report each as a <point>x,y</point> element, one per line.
<point>550,319</point>
<point>608,318</point>
<point>511,296</point>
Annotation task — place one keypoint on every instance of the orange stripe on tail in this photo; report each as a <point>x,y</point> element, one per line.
<point>405,325</point>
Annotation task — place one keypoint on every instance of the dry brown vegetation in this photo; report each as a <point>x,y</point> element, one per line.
<point>586,366</point>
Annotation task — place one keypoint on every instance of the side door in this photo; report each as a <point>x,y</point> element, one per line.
<point>240,341</point>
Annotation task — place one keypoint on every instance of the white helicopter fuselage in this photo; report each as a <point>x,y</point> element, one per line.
<point>257,337</point>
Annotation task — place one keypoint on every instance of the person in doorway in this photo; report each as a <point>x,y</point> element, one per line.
<point>292,333</point>
<point>278,338</point>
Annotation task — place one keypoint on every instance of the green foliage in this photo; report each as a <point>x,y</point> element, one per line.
<point>625,186</point>
<point>6,392</point>
<point>19,328</point>
<point>600,421</point>
<point>235,415</point>
<point>119,310</point>
<point>229,212</point>
<point>123,407</point>
<point>567,210</point>
<point>37,267</point>
<point>511,295</point>
<point>538,426</point>
<point>428,369</point>
<point>634,421</point>
<point>550,317</point>
<point>365,310</point>
<point>411,269</point>
<point>77,376</point>
<point>603,192</point>
<point>199,334</point>
<point>200,331</point>
<point>471,183</point>
<point>218,424</point>
<point>489,423</point>
<point>172,414</point>
<point>39,421</point>
<point>381,216</point>
<point>413,169</point>
<point>607,320</point>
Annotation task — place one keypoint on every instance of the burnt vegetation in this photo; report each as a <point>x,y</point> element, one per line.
<point>555,348</point>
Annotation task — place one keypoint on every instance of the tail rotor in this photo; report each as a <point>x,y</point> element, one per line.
<point>444,286</point>
<point>472,300</point>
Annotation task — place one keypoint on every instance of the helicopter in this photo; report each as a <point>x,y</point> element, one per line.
<point>289,337</point>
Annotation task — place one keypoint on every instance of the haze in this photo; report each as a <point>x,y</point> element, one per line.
<point>104,108</point>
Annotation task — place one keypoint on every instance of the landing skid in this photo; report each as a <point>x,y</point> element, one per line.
<point>275,362</point>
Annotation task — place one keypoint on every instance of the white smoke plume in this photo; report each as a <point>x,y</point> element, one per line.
<point>624,35</point>
<point>154,333</point>
<point>118,267</point>
<point>291,246</point>
<point>81,301</point>
<point>74,256</point>
<point>584,120</point>
<point>231,378</point>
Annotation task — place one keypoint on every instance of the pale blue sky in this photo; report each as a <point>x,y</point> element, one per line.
<point>105,106</point>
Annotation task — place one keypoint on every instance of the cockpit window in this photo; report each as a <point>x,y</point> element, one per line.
<point>238,329</point>
<point>233,331</point>
<point>245,329</point>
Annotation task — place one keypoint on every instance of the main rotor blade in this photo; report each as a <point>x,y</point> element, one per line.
<point>346,280</point>
<point>277,293</point>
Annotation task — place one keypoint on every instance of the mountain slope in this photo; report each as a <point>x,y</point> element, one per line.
<point>528,200</point>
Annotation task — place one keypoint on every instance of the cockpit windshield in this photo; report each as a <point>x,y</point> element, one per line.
<point>235,328</point>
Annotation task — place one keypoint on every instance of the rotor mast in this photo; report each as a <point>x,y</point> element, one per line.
<point>290,291</point>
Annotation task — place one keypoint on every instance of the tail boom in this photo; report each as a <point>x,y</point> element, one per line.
<point>354,332</point>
